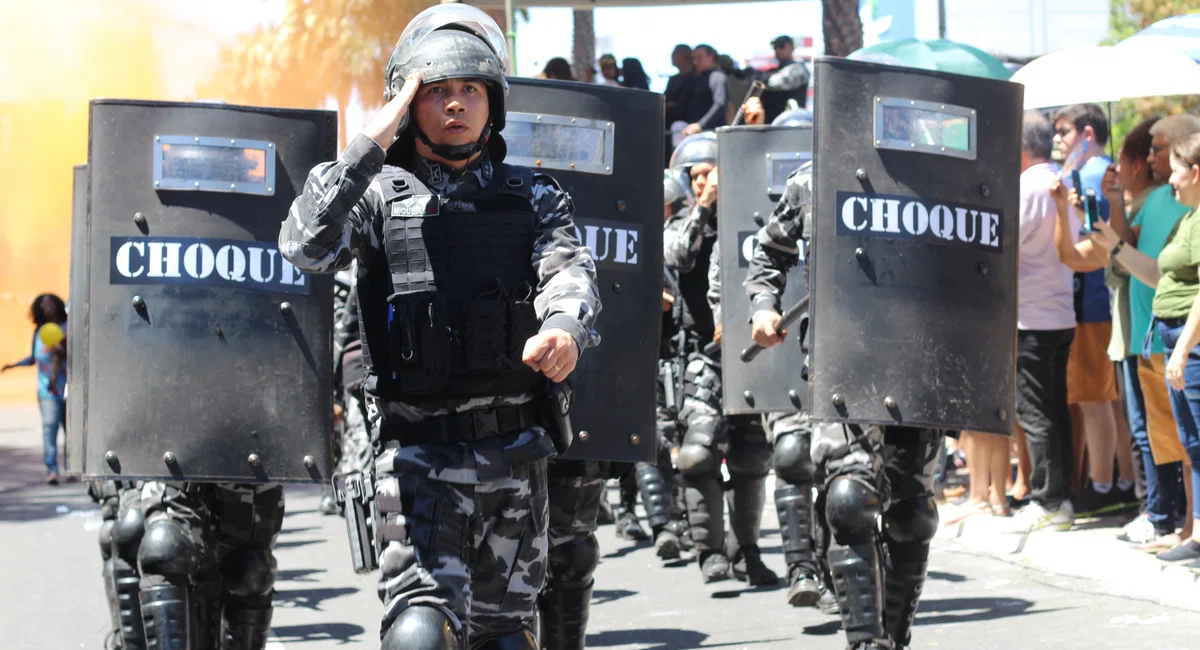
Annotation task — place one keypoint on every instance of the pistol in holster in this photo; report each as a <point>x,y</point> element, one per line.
<point>556,410</point>
<point>355,493</point>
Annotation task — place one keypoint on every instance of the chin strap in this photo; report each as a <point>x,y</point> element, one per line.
<point>455,151</point>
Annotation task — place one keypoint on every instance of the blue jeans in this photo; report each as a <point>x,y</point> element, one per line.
<point>1185,404</point>
<point>1162,481</point>
<point>54,413</point>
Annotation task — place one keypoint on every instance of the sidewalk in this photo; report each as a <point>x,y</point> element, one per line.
<point>1090,551</point>
<point>21,463</point>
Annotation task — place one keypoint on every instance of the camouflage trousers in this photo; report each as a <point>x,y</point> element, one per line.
<point>476,551</point>
<point>352,447</point>
<point>575,494</point>
<point>220,517</point>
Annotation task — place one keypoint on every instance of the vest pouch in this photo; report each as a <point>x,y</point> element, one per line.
<point>523,324</point>
<point>484,337</point>
<point>419,342</point>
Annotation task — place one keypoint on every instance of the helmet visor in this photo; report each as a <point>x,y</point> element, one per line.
<point>459,15</point>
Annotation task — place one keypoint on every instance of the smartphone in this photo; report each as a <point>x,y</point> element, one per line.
<point>1091,209</point>
<point>1077,182</point>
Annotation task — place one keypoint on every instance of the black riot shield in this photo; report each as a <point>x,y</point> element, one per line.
<point>603,145</point>
<point>914,253</point>
<point>76,316</point>
<point>208,355</point>
<point>755,162</point>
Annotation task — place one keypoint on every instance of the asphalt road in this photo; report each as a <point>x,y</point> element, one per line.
<point>53,597</point>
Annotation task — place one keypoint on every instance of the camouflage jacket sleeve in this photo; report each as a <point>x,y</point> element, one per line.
<point>332,222</point>
<point>683,236</point>
<point>778,248</point>
<point>568,297</point>
<point>713,295</point>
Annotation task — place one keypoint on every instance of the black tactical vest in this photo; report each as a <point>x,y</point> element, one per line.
<point>447,310</point>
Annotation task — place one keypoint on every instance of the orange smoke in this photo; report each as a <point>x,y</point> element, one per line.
<point>54,57</point>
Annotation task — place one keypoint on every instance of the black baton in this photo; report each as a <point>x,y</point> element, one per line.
<point>788,318</point>
<point>756,90</point>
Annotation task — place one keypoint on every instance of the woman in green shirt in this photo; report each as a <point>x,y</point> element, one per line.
<point>1176,278</point>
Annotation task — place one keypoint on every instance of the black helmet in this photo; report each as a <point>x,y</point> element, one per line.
<point>795,117</point>
<point>698,148</point>
<point>452,41</point>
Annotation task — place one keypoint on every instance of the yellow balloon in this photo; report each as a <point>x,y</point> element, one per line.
<point>51,335</point>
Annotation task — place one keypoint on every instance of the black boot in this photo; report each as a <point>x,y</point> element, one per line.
<point>804,587</point>
<point>828,602</point>
<point>794,505</point>
<point>749,567</point>
<point>628,526</point>
<point>858,580</point>
<point>905,581</point>
<point>166,617</point>
<point>245,628</point>
<point>564,618</point>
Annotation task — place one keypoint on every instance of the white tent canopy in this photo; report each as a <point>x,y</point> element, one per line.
<point>1107,74</point>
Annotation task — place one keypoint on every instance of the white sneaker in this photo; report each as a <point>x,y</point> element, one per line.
<point>1138,531</point>
<point>1035,517</point>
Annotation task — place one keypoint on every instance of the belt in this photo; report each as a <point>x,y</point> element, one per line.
<point>1173,322</point>
<point>463,427</point>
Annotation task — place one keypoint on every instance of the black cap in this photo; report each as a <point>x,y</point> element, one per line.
<point>782,40</point>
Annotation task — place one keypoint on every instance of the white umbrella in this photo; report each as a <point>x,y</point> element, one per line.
<point>1107,74</point>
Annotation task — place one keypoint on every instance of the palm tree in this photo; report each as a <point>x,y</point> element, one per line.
<point>583,43</point>
<point>842,27</point>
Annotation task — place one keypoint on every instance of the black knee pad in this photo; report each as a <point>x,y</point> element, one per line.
<point>851,509</point>
<point>911,520</point>
<point>572,563</point>
<point>793,459</point>
<point>420,628</point>
<point>249,572</point>
<point>106,539</point>
<point>695,460</point>
<point>127,533</point>
<point>168,550</point>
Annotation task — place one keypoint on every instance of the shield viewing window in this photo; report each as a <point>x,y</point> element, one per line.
<point>560,142</point>
<point>780,166</point>
<point>926,127</point>
<point>207,164</point>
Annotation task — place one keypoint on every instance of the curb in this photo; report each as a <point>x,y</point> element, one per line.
<point>1091,552</point>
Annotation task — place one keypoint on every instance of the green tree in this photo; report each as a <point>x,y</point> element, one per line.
<point>322,51</point>
<point>1127,18</point>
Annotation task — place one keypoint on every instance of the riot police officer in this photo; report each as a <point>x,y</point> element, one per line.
<point>656,481</point>
<point>461,333</point>
<point>352,444</point>
<point>868,471</point>
<point>688,246</point>
<point>121,529</point>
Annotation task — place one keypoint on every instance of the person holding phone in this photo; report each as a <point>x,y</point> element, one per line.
<point>1081,134</point>
<point>1175,275</point>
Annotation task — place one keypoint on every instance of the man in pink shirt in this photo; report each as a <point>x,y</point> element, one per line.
<point>1045,329</point>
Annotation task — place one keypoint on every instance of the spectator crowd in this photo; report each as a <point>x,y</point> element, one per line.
<point>1108,372</point>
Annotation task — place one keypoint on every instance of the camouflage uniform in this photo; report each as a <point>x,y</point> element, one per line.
<point>576,488</point>
<point>690,246</point>
<point>868,471</point>
<point>208,555</point>
<point>463,525</point>
<point>352,451</point>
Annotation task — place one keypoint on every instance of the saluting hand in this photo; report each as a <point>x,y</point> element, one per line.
<point>382,129</point>
<point>554,353</point>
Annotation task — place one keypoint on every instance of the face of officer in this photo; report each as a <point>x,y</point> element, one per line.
<point>699,173</point>
<point>451,112</point>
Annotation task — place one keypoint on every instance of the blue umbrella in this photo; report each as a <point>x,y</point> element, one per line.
<point>1179,33</point>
